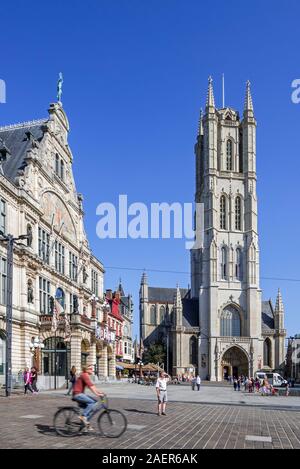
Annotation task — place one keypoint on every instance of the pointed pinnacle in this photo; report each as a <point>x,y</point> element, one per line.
<point>279,303</point>
<point>248,98</point>
<point>210,100</point>
<point>200,124</point>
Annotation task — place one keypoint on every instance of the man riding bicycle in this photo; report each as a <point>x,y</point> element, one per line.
<point>79,395</point>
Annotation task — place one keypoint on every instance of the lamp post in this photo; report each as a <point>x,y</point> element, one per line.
<point>35,345</point>
<point>10,240</point>
<point>141,368</point>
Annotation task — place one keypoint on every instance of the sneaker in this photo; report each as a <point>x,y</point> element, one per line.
<point>163,413</point>
<point>159,414</point>
<point>84,420</point>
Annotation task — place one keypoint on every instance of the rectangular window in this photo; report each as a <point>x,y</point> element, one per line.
<point>95,283</point>
<point>59,257</point>
<point>3,216</point>
<point>3,280</point>
<point>44,245</point>
<point>44,288</point>
<point>73,266</point>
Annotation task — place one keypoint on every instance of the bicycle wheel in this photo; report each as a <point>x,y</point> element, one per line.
<point>66,421</point>
<point>112,423</point>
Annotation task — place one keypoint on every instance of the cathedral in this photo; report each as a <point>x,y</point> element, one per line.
<point>220,326</point>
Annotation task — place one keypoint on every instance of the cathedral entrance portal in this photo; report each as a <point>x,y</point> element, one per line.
<point>234,363</point>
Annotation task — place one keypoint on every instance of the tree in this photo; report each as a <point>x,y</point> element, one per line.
<point>288,360</point>
<point>155,353</point>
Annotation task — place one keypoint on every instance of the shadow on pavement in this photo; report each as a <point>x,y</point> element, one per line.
<point>140,411</point>
<point>46,429</point>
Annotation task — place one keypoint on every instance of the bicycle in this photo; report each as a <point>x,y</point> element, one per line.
<point>111,423</point>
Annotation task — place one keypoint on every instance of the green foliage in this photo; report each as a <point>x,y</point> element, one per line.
<point>154,354</point>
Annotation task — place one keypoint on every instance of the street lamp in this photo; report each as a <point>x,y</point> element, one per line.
<point>35,345</point>
<point>10,240</point>
<point>141,364</point>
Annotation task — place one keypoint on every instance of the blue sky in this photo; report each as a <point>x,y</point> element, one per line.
<point>135,77</point>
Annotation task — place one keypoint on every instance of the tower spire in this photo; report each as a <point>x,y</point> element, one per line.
<point>248,98</point>
<point>210,100</point>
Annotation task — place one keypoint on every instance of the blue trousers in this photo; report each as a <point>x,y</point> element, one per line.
<point>89,401</point>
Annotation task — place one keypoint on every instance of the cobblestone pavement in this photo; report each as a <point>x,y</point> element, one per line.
<point>26,422</point>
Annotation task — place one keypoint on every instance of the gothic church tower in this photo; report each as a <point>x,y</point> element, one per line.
<point>225,270</point>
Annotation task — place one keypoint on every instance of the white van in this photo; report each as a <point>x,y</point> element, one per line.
<point>273,378</point>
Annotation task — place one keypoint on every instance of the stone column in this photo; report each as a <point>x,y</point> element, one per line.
<point>76,350</point>
<point>92,356</point>
<point>103,362</point>
<point>112,363</point>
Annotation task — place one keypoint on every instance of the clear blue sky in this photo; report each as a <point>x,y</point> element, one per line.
<point>135,77</point>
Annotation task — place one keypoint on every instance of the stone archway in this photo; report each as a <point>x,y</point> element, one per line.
<point>234,362</point>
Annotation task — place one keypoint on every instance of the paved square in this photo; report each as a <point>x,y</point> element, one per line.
<point>233,420</point>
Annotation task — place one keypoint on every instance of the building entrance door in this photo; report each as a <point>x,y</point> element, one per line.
<point>235,359</point>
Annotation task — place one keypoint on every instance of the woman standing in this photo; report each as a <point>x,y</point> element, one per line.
<point>33,379</point>
<point>27,384</point>
<point>72,380</point>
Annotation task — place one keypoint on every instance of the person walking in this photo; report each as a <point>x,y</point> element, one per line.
<point>239,384</point>
<point>161,392</point>
<point>234,383</point>
<point>193,383</point>
<point>72,380</point>
<point>33,379</point>
<point>27,383</point>
<point>198,382</point>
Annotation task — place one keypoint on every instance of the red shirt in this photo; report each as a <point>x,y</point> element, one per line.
<point>81,383</point>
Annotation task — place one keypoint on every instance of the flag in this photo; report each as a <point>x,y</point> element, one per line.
<point>67,328</point>
<point>55,318</point>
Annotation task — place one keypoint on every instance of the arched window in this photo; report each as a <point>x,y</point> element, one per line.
<point>238,218</point>
<point>239,264</point>
<point>223,262</point>
<point>152,315</point>
<point>193,351</point>
<point>229,155</point>
<point>267,352</point>
<point>162,314</point>
<point>60,297</point>
<point>230,322</point>
<point>223,213</point>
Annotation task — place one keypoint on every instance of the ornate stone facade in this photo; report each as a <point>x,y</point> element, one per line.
<point>56,269</point>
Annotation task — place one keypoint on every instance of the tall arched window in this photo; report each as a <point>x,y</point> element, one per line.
<point>223,212</point>
<point>193,351</point>
<point>238,217</point>
<point>60,297</point>
<point>223,262</point>
<point>267,352</point>
<point>152,315</point>
<point>239,264</point>
<point>229,155</point>
<point>162,313</point>
<point>230,322</point>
